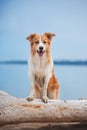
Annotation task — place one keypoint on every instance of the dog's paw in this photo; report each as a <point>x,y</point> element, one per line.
<point>29,98</point>
<point>45,99</point>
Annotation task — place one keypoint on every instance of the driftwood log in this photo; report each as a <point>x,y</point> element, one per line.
<point>18,111</point>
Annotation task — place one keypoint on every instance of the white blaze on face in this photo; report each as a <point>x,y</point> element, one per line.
<point>41,45</point>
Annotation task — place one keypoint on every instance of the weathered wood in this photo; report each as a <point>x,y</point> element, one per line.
<point>19,110</point>
<point>45,126</point>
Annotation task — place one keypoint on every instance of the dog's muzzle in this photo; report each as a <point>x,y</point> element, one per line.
<point>41,51</point>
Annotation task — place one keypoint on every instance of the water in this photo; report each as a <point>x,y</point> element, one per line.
<point>72,80</point>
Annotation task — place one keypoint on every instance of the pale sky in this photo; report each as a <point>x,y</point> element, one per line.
<point>66,18</point>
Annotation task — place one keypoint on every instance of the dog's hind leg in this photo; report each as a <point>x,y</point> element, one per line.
<point>53,88</point>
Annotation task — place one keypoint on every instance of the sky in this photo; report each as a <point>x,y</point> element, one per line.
<point>66,18</point>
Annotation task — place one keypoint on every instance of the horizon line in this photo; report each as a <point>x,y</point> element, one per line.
<point>56,62</point>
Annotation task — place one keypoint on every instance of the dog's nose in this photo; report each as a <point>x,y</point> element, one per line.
<point>40,48</point>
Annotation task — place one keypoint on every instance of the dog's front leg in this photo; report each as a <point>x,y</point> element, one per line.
<point>44,92</point>
<point>32,90</point>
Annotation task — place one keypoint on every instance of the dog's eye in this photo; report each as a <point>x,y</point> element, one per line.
<point>37,42</point>
<point>44,42</point>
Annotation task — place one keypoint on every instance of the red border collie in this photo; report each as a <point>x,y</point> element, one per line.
<point>43,83</point>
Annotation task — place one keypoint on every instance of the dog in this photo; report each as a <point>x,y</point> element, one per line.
<point>43,83</point>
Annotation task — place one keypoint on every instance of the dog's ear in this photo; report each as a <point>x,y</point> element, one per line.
<point>30,37</point>
<point>49,35</point>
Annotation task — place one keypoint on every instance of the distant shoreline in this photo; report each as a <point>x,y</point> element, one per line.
<point>62,62</point>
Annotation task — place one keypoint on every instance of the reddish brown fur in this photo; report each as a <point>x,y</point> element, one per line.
<point>53,88</point>
<point>33,38</point>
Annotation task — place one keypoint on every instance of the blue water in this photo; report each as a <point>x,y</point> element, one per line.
<point>72,80</point>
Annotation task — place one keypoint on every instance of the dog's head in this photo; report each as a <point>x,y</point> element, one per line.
<point>40,44</point>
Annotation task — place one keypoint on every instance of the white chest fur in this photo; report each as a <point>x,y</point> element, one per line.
<point>39,70</point>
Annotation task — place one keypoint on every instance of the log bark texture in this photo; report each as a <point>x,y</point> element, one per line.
<point>18,110</point>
